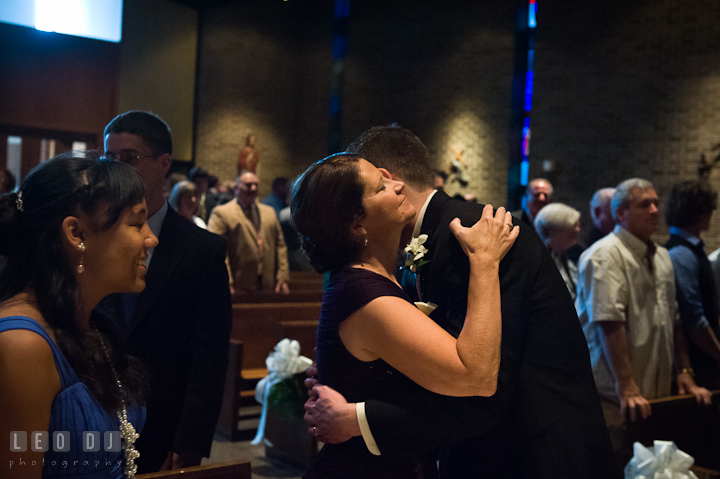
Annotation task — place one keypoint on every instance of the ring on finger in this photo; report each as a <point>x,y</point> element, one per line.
<point>510,225</point>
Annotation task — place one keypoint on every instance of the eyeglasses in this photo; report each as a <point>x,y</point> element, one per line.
<point>126,157</point>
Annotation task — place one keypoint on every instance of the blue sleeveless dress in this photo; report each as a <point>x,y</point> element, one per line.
<point>75,410</point>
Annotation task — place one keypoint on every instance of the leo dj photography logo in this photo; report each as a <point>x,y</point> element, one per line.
<point>39,441</point>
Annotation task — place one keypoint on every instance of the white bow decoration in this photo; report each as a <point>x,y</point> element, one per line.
<point>664,461</point>
<point>282,364</point>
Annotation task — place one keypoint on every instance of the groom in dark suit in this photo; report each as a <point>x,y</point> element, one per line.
<point>179,326</point>
<point>545,420</point>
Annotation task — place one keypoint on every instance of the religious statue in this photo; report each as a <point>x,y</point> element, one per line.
<point>249,156</point>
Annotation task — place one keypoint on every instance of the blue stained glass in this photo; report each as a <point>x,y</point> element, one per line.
<point>335,104</point>
<point>339,47</point>
<point>531,59</point>
<point>528,90</point>
<point>524,172</point>
<point>342,8</point>
<point>532,9</point>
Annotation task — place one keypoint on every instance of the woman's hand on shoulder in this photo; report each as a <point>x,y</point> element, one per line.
<point>490,238</point>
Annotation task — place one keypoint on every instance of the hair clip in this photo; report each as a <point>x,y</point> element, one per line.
<point>19,201</point>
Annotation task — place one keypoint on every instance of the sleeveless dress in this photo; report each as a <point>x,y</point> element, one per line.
<point>348,290</point>
<point>75,410</point>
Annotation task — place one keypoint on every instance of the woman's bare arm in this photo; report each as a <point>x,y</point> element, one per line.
<point>29,382</point>
<point>392,329</point>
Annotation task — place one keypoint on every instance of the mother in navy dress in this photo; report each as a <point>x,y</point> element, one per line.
<point>351,217</point>
<point>75,232</point>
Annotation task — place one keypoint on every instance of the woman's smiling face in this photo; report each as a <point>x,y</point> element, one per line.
<point>116,258</point>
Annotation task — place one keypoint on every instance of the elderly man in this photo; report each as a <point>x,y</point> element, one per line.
<point>179,326</point>
<point>537,194</point>
<point>689,209</point>
<point>257,255</point>
<point>626,305</point>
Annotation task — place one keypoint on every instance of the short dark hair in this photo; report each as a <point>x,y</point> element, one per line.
<point>689,202</point>
<point>326,199</point>
<point>399,151</point>
<point>148,126</point>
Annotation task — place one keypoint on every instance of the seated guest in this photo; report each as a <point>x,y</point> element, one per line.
<point>538,193</point>
<point>7,181</point>
<point>183,199</point>
<point>627,307</point>
<point>278,196</point>
<point>74,233</point>
<point>558,226</point>
<point>689,209</point>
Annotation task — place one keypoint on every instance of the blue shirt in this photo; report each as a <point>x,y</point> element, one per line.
<point>687,281</point>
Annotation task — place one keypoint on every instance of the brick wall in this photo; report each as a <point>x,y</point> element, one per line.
<point>264,68</point>
<point>443,72</point>
<point>626,89</point>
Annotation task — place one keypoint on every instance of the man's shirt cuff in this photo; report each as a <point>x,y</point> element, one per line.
<point>365,429</point>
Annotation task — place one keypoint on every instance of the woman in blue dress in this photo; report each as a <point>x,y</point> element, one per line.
<point>75,232</point>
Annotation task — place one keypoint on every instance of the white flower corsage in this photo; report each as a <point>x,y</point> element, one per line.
<point>416,253</point>
<point>415,259</point>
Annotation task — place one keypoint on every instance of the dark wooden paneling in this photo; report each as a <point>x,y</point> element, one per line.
<point>57,82</point>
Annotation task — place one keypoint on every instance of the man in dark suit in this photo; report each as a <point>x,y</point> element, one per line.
<point>179,326</point>
<point>545,420</point>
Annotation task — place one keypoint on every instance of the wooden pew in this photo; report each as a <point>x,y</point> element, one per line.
<point>305,280</point>
<point>271,297</point>
<point>256,325</point>
<point>695,429</point>
<point>235,470</point>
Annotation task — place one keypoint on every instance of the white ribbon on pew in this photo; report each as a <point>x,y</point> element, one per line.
<point>282,364</point>
<point>665,461</point>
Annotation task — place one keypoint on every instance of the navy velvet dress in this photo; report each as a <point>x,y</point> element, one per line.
<point>76,410</point>
<point>348,290</point>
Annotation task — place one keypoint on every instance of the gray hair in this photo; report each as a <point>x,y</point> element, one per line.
<point>179,191</point>
<point>622,196</point>
<point>601,198</point>
<point>554,217</point>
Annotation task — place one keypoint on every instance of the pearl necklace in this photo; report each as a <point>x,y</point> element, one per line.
<point>127,431</point>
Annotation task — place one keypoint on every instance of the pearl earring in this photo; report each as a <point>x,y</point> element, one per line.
<point>80,268</point>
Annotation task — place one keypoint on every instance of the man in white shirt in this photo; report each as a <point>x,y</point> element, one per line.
<point>627,307</point>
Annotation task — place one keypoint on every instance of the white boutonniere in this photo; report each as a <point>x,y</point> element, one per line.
<point>415,259</point>
<point>416,253</point>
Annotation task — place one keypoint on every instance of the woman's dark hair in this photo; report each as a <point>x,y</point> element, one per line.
<point>689,202</point>
<point>30,238</point>
<point>326,199</point>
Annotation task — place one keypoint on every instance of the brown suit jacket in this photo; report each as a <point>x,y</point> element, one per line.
<point>244,256</point>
